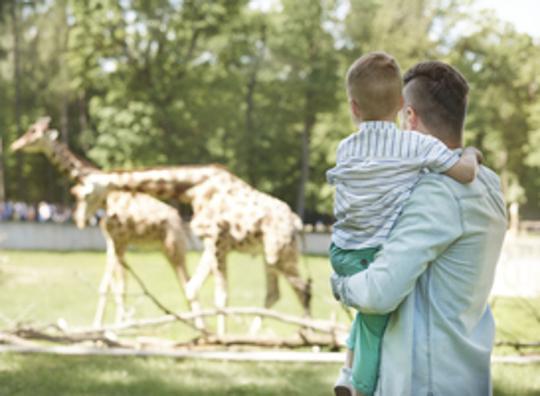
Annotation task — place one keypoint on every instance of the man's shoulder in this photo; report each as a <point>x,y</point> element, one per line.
<point>489,178</point>
<point>487,181</point>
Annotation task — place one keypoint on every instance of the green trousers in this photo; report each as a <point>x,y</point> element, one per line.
<point>367,330</point>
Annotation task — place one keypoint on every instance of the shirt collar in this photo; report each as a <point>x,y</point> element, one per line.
<point>371,125</point>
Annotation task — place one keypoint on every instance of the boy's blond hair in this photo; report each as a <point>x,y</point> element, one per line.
<point>374,82</point>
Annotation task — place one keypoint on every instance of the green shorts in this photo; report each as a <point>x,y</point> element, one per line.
<point>365,338</point>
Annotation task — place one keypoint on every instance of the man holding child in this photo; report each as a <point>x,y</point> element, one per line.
<point>418,234</point>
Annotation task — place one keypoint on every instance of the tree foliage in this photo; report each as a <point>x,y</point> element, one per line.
<point>138,83</point>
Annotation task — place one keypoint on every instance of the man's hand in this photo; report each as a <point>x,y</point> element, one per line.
<point>336,282</point>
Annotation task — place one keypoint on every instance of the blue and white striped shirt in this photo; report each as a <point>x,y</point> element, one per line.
<point>376,169</point>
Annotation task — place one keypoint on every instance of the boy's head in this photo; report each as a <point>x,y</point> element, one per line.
<point>436,100</point>
<point>374,87</point>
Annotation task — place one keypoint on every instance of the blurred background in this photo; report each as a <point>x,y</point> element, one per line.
<point>256,85</point>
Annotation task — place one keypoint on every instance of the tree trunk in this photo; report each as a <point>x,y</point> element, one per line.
<point>2,185</point>
<point>250,134</point>
<point>64,132</point>
<point>309,122</point>
<point>17,81</point>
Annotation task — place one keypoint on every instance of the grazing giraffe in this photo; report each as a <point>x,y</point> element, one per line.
<point>129,218</point>
<point>228,214</point>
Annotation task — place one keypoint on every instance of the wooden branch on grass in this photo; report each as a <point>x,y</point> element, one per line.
<point>296,341</point>
<point>29,333</point>
<point>312,332</point>
<point>158,303</point>
<point>24,337</point>
<point>518,345</point>
<point>321,326</point>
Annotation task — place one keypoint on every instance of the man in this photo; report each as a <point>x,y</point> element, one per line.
<point>436,269</point>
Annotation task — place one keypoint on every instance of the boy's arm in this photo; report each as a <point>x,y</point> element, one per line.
<point>465,170</point>
<point>438,158</point>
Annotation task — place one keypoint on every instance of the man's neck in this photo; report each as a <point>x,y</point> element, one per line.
<point>451,144</point>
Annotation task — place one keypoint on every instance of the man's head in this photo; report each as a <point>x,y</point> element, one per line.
<point>374,87</point>
<point>436,101</point>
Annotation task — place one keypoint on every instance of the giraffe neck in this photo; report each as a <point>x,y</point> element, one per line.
<point>66,161</point>
<point>167,182</point>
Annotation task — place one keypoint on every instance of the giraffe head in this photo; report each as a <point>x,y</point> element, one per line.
<point>87,202</point>
<point>36,137</point>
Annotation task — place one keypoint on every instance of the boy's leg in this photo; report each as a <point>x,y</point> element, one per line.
<point>367,358</point>
<point>343,385</point>
<point>349,357</point>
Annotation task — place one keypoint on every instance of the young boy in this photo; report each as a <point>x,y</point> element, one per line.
<point>376,169</point>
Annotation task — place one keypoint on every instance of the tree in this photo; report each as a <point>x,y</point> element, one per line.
<point>309,63</point>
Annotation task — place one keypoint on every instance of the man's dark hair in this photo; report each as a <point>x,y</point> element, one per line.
<point>438,94</point>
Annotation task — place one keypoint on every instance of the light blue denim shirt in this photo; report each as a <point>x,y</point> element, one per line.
<point>435,274</point>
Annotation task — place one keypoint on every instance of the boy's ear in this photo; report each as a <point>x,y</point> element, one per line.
<point>355,110</point>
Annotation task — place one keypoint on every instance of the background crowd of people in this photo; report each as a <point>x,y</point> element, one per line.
<point>40,212</point>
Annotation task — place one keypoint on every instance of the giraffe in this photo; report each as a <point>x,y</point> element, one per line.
<point>129,218</point>
<point>228,214</point>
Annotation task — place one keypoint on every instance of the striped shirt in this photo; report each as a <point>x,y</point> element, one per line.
<point>376,170</point>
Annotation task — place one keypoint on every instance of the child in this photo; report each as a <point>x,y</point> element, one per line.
<point>376,169</point>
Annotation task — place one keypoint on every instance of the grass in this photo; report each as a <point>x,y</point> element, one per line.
<point>41,287</point>
<point>46,375</point>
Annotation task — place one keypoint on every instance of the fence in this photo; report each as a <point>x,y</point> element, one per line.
<point>67,237</point>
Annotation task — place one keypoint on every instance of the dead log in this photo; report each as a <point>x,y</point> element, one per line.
<point>321,326</point>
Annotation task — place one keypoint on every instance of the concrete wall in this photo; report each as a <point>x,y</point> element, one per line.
<point>50,236</point>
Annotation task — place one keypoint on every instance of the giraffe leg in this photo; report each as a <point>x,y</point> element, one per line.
<point>175,251</point>
<point>288,265</point>
<point>120,284</point>
<point>272,295</point>
<point>220,296</point>
<point>106,282</point>
<point>206,264</point>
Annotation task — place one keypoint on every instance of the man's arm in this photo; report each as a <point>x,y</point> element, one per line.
<point>429,224</point>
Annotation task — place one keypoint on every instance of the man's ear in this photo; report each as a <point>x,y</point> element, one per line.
<point>411,118</point>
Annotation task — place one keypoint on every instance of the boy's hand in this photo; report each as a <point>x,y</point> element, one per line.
<point>474,151</point>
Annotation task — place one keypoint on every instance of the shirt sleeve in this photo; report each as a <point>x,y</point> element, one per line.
<point>435,155</point>
<point>429,224</point>
<point>331,174</point>
<point>340,153</point>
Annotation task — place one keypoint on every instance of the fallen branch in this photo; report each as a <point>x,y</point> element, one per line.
<point>312,333</point>
<point>21,337</point>
<point>296,341</point>
<point>154,299</point>
<point>29,333</point>
<point>518,345</point>
<point>321,326</point>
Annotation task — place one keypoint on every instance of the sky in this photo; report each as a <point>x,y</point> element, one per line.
<point>524,14</point>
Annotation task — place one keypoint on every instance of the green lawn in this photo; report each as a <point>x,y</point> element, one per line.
<point>41,287</point>
<point>44,375</point>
